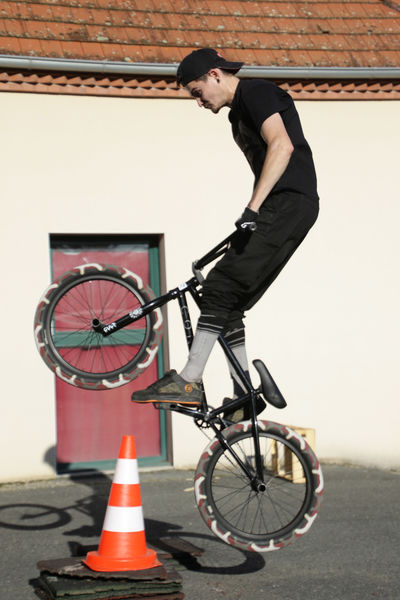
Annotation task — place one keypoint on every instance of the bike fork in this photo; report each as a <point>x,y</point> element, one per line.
<point>256,479</point>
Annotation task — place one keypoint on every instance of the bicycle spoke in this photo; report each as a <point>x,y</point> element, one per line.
<point>258,512</point>
<point>72,335</point>
<point>260,516</point>
<point>68,343</point>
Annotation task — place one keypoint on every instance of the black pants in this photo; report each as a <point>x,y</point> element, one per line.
<point>252,263</point>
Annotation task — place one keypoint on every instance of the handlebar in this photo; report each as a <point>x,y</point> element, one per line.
<point>213,254</point>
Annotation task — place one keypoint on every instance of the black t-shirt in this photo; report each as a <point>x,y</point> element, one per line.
<point>255,100</point>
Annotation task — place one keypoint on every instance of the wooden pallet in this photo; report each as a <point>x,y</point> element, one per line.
<point>283,463</point>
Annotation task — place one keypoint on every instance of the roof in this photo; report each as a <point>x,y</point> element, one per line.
<point>267,32</point>
<point>300,33</point>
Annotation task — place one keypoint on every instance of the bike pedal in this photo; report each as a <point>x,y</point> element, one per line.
<point>173,406</point>
<point>165,405</point>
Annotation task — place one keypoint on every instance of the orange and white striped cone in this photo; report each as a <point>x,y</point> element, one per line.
<point>123,542</point>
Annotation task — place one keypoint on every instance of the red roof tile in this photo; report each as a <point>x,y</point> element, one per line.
<point>338,33</point>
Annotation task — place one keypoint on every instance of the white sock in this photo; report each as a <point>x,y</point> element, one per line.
<point>241,356</point>
<point>203,343</point>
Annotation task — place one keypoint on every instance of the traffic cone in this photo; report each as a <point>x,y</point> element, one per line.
<point>123,543</point>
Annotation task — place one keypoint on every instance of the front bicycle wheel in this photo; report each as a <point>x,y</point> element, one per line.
<point>70,346</point>
<point>252,519</point>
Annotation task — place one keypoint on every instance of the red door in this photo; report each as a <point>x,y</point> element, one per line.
<point>90,424</point>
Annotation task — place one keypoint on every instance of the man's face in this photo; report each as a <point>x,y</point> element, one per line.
<point>208,92</point>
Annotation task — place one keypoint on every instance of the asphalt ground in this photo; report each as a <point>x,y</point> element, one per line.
<point>351,552</point>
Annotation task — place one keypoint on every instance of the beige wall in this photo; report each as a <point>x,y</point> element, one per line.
<point>327,329</point>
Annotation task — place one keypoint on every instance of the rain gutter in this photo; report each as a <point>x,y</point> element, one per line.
<point>169,69</point>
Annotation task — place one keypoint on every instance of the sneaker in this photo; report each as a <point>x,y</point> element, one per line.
<point>171,388</point>
<point>243,413</point>
<point>233,415</point>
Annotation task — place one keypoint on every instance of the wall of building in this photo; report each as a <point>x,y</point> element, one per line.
<point>327,328</point>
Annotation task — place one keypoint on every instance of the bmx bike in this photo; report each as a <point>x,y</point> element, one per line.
<point>258,484</point>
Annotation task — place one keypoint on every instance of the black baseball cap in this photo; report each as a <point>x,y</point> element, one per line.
<point>199,62</point>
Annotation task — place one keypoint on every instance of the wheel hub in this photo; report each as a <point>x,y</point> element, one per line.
<point>258,486</point>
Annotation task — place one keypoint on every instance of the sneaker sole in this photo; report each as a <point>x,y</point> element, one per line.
<point>172,400</point>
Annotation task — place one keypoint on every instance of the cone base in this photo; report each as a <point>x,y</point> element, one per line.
<point>97,562</point>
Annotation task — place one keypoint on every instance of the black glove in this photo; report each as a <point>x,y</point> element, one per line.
<point>247,222</point>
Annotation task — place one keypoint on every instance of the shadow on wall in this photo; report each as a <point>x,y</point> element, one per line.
<point>50,458</point>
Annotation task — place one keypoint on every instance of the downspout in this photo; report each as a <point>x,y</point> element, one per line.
<point>169,70</point>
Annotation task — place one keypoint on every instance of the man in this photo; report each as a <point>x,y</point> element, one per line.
<point>283,207</point>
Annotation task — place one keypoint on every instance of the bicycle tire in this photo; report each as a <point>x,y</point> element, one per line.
<point>73,350</point>
<point>259,521</point>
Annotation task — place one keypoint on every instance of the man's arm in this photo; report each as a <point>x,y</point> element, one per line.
<point>279,151</point>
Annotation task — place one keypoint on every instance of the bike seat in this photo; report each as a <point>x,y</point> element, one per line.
<point>269,388</point>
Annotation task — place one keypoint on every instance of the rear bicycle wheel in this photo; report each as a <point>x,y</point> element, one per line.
<point>67,341</point>
<point>259,521</point>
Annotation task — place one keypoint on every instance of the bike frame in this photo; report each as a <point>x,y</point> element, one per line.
<point>206,416</point>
